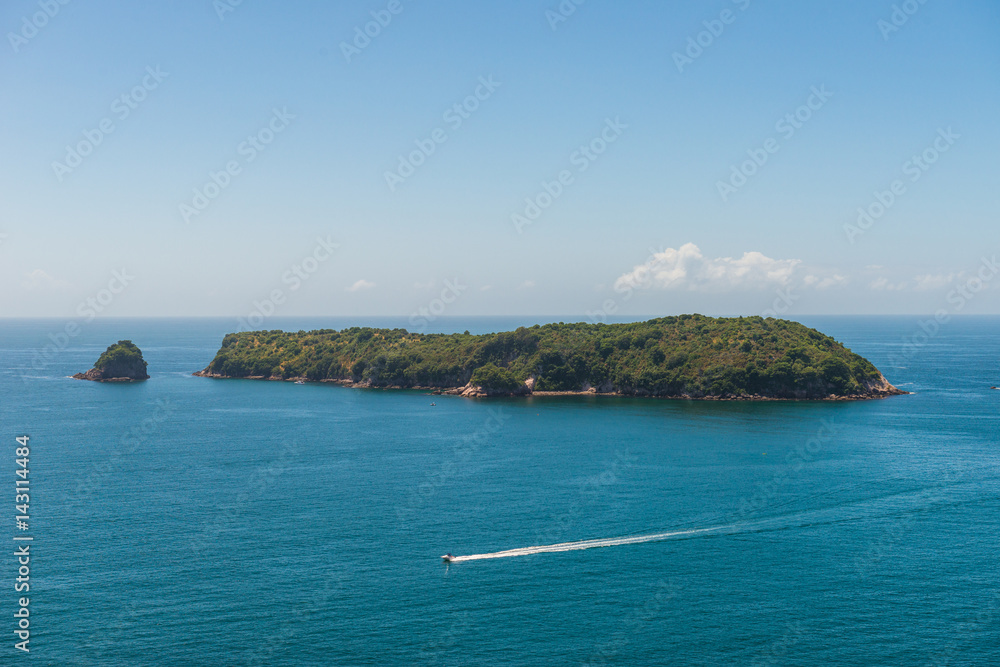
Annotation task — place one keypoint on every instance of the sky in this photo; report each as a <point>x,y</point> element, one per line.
<point>585,159</point>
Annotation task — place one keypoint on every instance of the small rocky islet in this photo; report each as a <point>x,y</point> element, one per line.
<point>121,362</point>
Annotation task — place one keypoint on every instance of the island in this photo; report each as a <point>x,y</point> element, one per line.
<point>121,362</point>
<point>687,356</point>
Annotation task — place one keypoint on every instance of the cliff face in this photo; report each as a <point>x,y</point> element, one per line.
<point>121,362</point>
<point>880,387</point>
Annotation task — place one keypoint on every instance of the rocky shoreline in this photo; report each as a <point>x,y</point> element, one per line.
<point>878,389</point>
<point>95,375</point>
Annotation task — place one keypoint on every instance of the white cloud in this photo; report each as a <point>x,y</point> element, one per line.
<point>687,268</point>
<point>934,281</point>
<point>360,285</point>
<point>835,279</point>
<point>815,281</point>
<point>883,283</point>
<point>39,280</point>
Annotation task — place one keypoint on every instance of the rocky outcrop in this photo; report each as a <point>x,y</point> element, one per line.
<point>121,362</point>
<point>880,388</point>
<point>475,391</point>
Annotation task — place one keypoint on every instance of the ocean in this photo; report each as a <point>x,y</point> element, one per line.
<point>189,521</point>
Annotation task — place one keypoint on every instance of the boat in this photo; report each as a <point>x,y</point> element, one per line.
<point>300,382</point>
<point>433,403</point>
<point>448,558</point>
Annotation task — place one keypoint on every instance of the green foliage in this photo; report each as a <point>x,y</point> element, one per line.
<point>671,356</point>
<point>494,377</point>
<point>122,354</point>
<point>836,372</point>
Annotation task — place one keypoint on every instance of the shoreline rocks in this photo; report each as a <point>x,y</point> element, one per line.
<point>879,388</point>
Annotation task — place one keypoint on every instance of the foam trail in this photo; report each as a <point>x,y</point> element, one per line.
<point>585,544</point>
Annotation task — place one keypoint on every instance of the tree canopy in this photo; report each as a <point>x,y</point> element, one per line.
<point>121,354</point>
<point>670,356</point>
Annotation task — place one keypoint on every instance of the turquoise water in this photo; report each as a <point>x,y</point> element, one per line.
<point>187,521</point>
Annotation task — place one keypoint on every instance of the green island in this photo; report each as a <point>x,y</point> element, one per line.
<point>121,362</point>
<point>687,356</point>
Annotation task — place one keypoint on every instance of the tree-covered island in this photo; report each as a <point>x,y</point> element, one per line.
<point>687,356</point>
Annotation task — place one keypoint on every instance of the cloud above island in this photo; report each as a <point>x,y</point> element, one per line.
<point>823,283</point>
<point>686,268</point>
<point>40,281</point>
<point>361,285</point>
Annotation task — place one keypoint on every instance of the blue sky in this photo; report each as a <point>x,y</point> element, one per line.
<point>656,223</point>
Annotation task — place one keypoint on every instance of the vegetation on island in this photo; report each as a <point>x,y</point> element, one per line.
<point>120,362</point>
<point>686,355</point>
<point>122,354</point>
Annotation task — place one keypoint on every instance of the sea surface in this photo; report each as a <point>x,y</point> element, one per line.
<point>190,521</point>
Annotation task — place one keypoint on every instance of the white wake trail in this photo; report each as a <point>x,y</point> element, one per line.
<point>584,544</point>
<point>877,506</point>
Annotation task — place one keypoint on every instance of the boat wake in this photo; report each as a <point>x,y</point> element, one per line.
<point>587,544</point>
<point>884,505</point>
